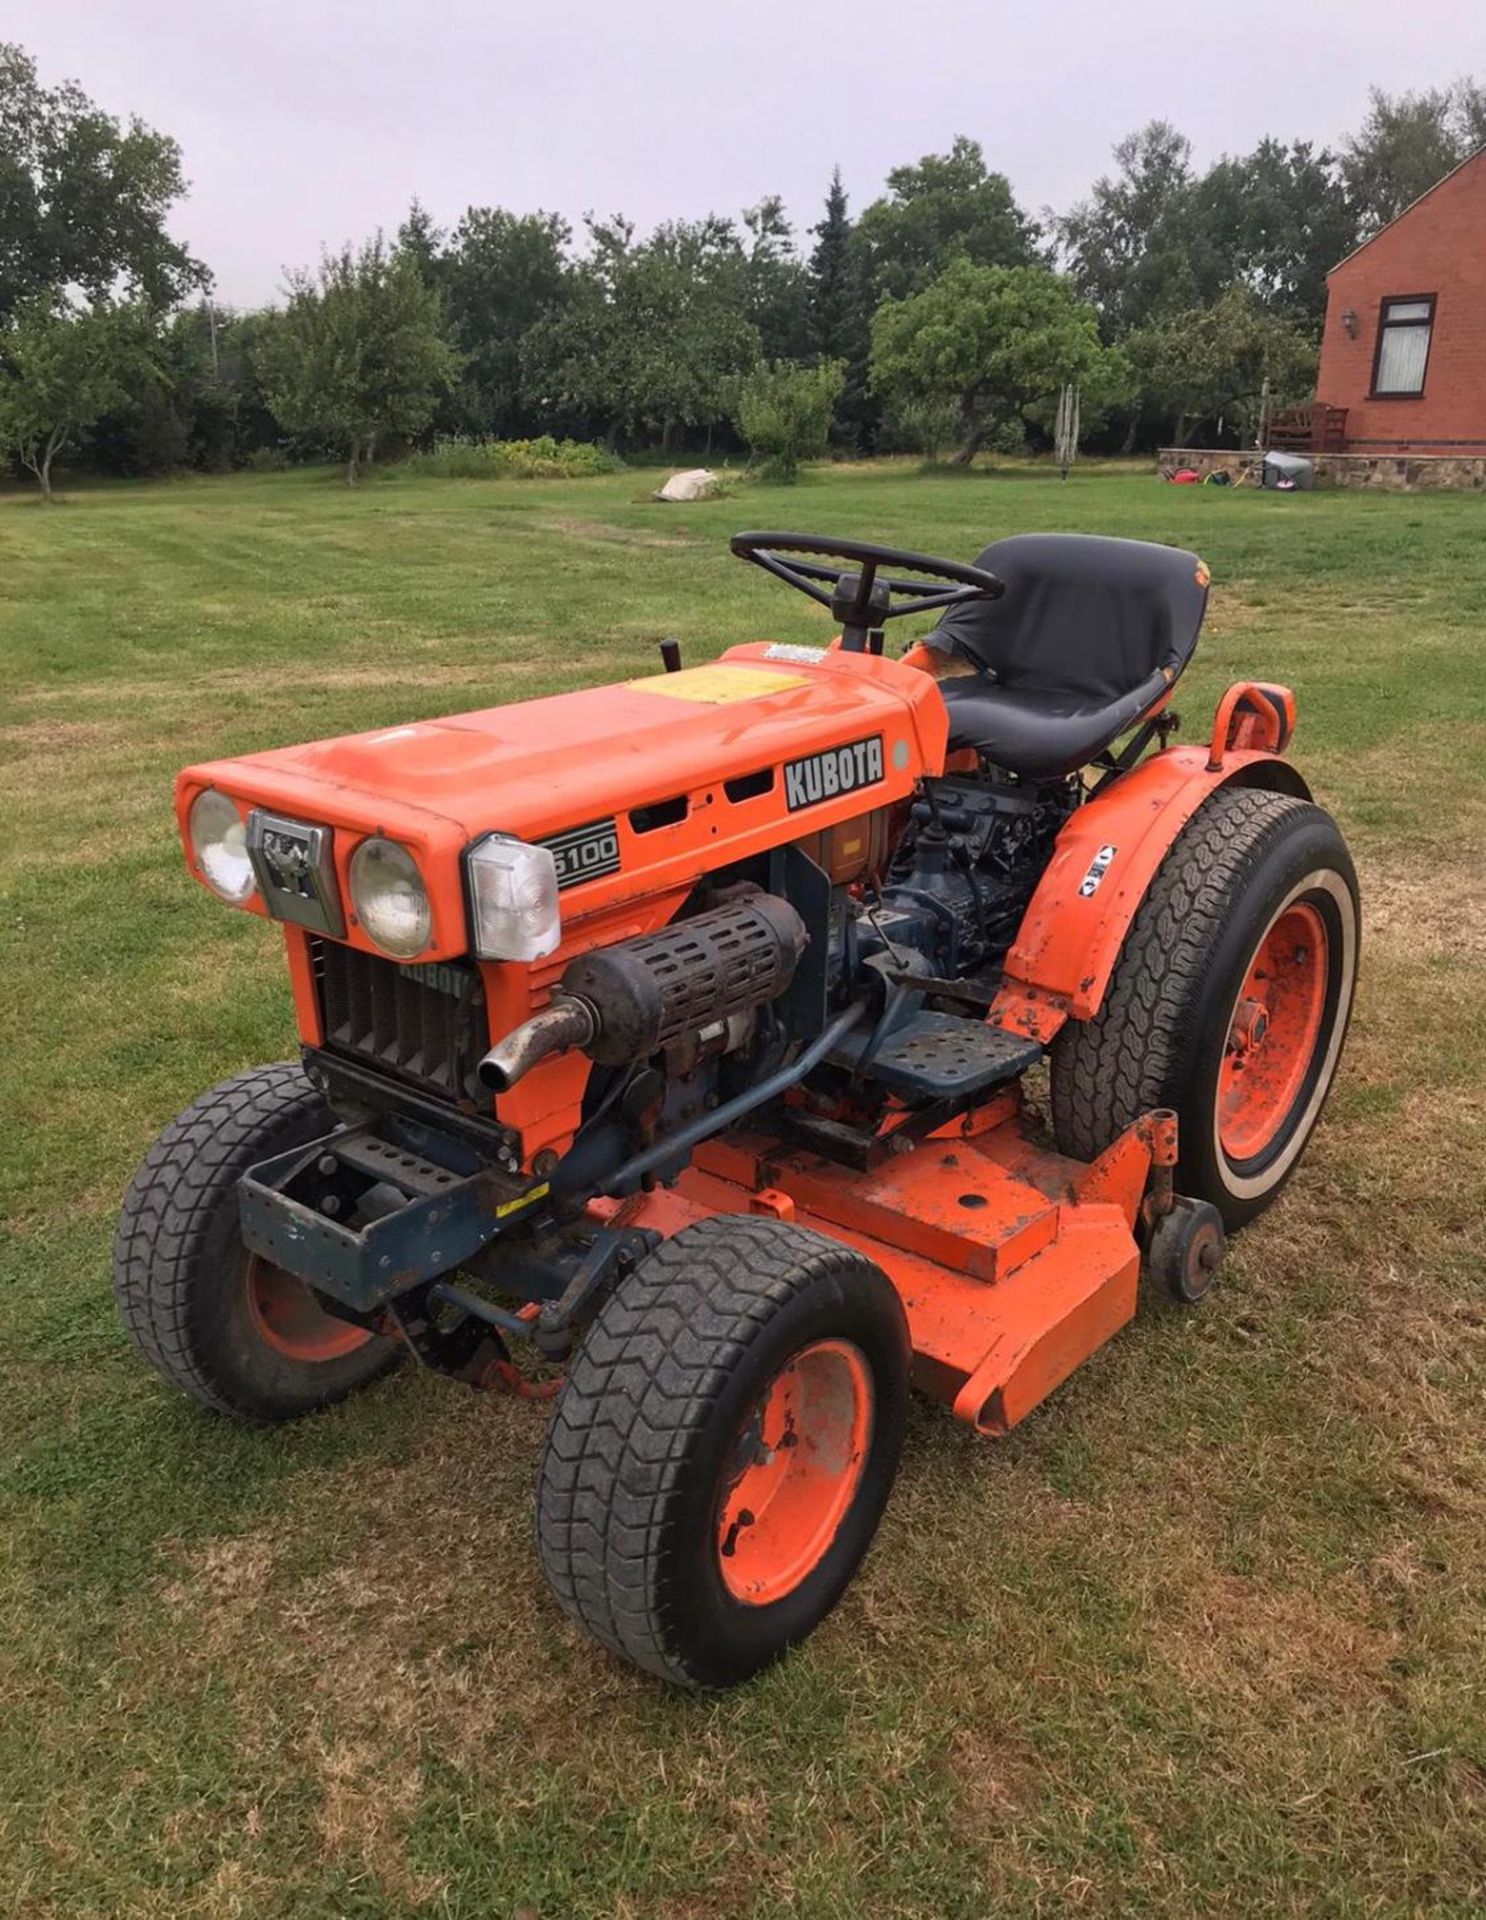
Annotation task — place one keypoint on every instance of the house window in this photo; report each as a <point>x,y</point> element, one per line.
<point>1404,327</point>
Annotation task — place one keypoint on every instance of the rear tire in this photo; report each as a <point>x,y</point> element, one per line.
<point>1229,1001</point>
<point>723,1448</point>
<point>237,1334</point>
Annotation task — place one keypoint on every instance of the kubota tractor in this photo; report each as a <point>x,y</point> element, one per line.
<point>677,1030</point>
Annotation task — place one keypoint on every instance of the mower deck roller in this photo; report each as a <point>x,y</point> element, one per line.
<point>678,1031</point>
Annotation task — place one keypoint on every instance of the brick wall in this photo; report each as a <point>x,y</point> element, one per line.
<point>1437,247</point>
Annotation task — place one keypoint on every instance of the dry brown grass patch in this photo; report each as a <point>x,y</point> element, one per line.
<point>998,1776</point>
<point>1425,910</point>
<point>49,738</point>
<point>611,535</point>
<point>1229,610</point>
<point>417,1640</point>
<point>364,1811</point>
<point>1257,1642</point>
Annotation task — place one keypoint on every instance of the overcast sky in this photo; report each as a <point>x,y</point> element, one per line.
<point>307,122</point>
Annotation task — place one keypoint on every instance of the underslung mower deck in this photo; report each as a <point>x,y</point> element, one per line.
<point>677,1032</point>
<point>1012,1263</point>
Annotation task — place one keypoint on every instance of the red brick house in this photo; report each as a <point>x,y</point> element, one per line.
<point>1403,350</point>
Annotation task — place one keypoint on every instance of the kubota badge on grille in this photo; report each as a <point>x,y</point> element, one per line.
<point>291,861</point>
<point>821,776</point>
<point>583,853</point>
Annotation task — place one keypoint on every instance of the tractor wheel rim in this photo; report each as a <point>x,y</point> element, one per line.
<point>1275,1029</point>
<point>798,1462</point>
<point>287,1317</point>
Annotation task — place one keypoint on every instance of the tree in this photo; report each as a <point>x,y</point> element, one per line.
<point>1408,142</point>
<point>841,312</point>
<point>60,370</point>
<point>998,341</point>
<point>1127,246</point>
<point>947,206</point>
<point>421,239</point>
<point>783,412</point>
<point>1276,221</point>
<point>504,273</point>
<point>148,428</point>
<point>1210,365</point>
<point>190,397</point>
<point>777,283</point>
<point>359,352</point>
<point>654,335</point>
<point>835,288</point>
<point>83,200</point>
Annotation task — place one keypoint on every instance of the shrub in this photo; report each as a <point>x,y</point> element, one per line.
<point>541,459</point>
<point>266,460</point>
<point>928,427</point>
<point>784,413</point>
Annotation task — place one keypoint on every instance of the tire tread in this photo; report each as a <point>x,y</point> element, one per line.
<point>1109,1070</point>
<point>657,1357</point>
<point>168,1211</point>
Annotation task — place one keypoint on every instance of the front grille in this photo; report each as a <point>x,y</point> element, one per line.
<point>422,1024</point>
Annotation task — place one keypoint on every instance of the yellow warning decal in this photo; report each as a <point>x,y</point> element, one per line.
<point>523,1200</point>
<point>718,686</point>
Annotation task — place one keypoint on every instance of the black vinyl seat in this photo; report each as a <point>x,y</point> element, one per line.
<point>1088,635</point>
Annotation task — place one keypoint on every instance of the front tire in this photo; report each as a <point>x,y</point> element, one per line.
<point>236,1333</point>
<point>723,1448</point>
<point>1229,1001</point>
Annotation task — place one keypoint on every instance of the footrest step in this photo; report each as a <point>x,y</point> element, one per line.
<point>941,1056</point>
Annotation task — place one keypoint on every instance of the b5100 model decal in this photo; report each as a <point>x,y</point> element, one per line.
<point>583,853</point>
<point>821,776</point>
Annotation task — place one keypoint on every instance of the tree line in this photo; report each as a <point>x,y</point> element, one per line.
<point>943,318</point>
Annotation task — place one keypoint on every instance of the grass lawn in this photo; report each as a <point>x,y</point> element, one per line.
<point>1206,1636</point>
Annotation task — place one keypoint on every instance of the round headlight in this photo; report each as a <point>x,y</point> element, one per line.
<point>390,898</point>
<point>219,839</point>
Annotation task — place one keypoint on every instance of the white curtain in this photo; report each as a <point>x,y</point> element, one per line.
<point>1404,350</point>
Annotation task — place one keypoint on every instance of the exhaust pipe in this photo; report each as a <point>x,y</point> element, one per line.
<point>565,1023</point>
<point>643,995</point>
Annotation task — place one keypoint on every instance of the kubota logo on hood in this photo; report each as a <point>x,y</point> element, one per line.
<point>821,776</point>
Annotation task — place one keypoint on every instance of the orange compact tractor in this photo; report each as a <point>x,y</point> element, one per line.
<point>677,1030</point>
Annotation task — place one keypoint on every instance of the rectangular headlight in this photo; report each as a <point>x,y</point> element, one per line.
<point>513,899</point>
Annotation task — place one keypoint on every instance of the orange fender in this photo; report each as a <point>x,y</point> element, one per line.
<point>1106,857</point>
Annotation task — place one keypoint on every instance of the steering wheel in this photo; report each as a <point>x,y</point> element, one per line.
<point>860,596</point>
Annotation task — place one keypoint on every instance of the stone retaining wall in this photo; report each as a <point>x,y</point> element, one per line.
<point>1387,472</point>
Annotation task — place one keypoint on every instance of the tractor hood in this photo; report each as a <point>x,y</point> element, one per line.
<point>680,773</point>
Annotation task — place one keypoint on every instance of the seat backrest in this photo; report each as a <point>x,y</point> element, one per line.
<point>1082,614</point>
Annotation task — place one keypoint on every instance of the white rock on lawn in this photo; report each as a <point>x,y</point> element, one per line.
<point>694,484</point>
